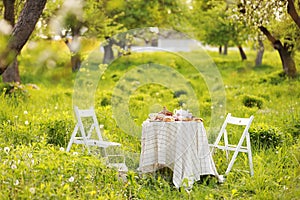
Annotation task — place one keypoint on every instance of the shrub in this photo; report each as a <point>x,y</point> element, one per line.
<point>15,92</point>
<point>264,136</point>
<point>252,101</point>
<point>105,101</point>
<point>294,128</point>
<point>58,131</point>
<point>277,78</point>
<point>178,93</point>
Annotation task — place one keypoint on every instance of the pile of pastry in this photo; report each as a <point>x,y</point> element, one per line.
<point>178,115</point>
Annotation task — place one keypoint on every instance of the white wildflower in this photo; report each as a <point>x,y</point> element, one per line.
<point>75,153</point>
<point>16,182</point>
<point>25,112</point>
<point>6,150</point>
<point>32,161</point>
<point>30,155</point>
<point>32,190</point>
<point>61,149</point>
<point>71,179</point>
<point>26,122</point>
<point>14,166</point>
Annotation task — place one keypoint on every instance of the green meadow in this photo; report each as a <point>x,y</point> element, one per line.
<point>37,121</point>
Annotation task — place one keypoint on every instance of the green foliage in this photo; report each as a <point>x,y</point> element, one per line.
<point>264,136</point>
<point>252,101</point>
<point>34,133</point>
<point>294,129</point>
<point>15,92</point>
<point>58,131</point>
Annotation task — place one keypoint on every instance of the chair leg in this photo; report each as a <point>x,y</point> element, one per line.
<point>235,154</point>
<point>249,155</point>
<point>231,162</point>
<point>226,144</point>
<point>72,138</point>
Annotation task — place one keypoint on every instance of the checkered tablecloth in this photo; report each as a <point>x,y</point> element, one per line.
<point>181,146</point>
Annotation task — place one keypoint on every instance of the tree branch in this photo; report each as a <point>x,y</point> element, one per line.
<point>292,12</point>
<point>276,43</point>
<point>267,34</point>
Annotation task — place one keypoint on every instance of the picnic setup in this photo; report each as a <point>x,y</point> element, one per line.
<point>135,99</point>
<point>176,140</point>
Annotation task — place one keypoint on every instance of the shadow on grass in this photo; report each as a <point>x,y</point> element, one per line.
<point>263,68</point>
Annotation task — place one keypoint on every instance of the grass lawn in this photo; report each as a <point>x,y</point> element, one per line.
<point>36,124</point>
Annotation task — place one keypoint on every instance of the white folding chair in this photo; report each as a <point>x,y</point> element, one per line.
<point>79,135</point>
<point>236,148</point>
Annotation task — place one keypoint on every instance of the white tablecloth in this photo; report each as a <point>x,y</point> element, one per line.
<point>181,146</point>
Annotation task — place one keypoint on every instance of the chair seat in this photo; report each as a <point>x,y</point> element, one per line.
<point>93,142</point>
<point>84,137</point>
<point>231,148</point>
<point>121,167</point>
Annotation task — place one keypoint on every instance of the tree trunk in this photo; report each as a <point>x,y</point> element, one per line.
<point>21,32</point>
<point>288,63</point>
<point>242,52</point>
<point>12,72</point>
<point>225,49</point>
<point>154,42</point>
<point>75,62</point>
<point>9,11</point>
<point>260,52</point>
<point>74,47</point>
<point>220,49</point>
<point>292,12</point>
<point>108,51</point>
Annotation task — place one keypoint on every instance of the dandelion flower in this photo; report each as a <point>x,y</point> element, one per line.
<point>71,179</point>
<point>32,190</point>
<point>16,182</point>
<point>6,149</point>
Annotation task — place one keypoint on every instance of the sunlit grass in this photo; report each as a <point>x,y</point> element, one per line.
<point>36,126</point>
